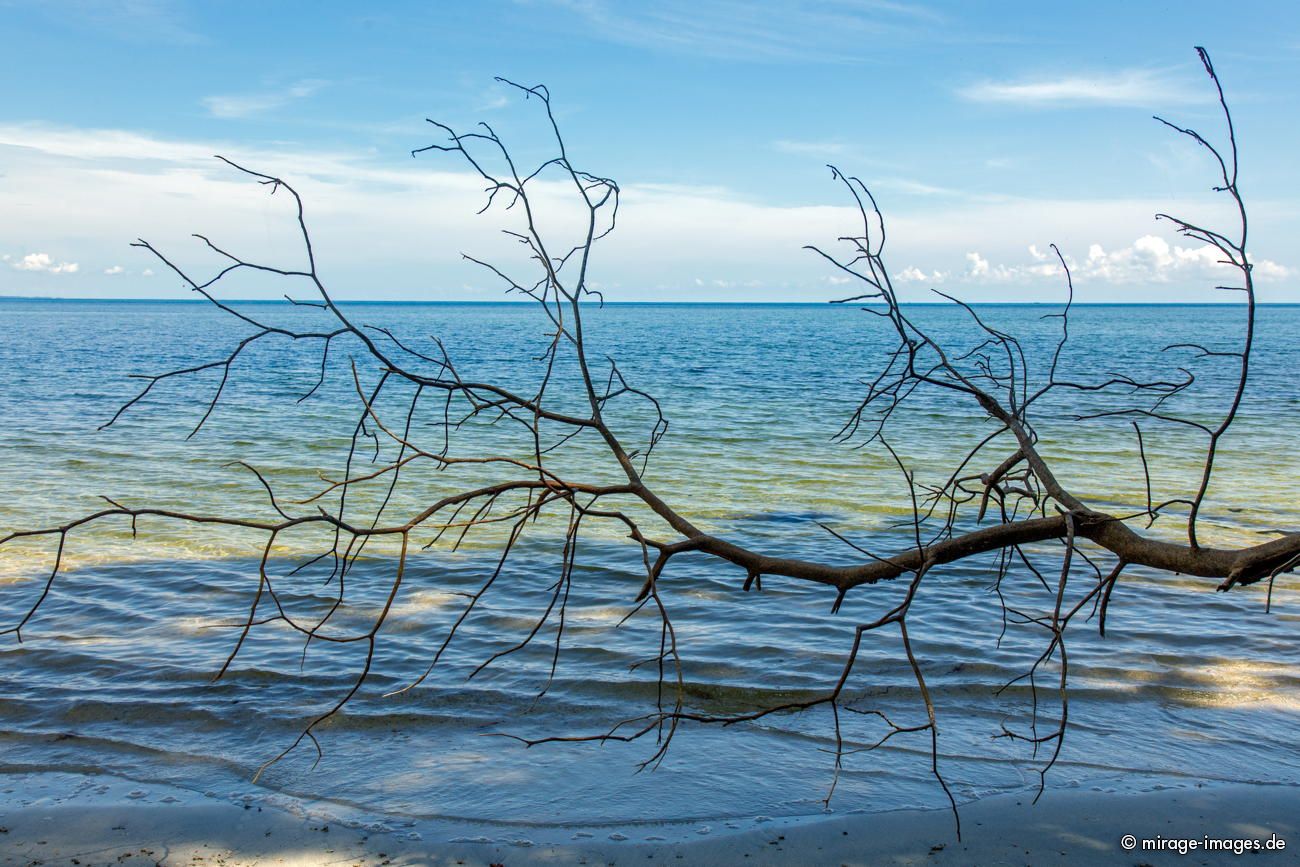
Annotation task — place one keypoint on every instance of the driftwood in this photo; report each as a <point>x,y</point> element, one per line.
<point>1001,496</point>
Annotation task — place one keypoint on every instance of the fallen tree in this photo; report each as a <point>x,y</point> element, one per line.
<point>1002,496</point>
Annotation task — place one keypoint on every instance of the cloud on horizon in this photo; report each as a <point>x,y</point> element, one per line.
<point>1148,260</point>
<point>44,262</point>
<point>395,228</point>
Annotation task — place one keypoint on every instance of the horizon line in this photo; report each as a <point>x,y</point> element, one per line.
<point>598,303</point>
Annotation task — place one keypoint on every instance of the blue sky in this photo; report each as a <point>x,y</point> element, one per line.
<point>987,130</point>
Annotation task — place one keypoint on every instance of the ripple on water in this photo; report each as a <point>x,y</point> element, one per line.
<point>114,675</point>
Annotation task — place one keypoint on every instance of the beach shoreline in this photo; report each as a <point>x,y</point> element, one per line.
<point>47,821</point>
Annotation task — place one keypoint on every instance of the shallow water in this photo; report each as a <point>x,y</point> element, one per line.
<point>114,675</point>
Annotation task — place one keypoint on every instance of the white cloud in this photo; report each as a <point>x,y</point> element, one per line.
<point>144,22</point>
<point>1148,260</point>
<point>912,274</point>
<point>494,98</point>
<point>727,284</point>
<point>44,262</point>
<point>1268,270</point>
<point>811,148</point>
<point>116,269</point>
<point>395,228</point>
<point>913,188</point>
<point>1151,258</point>
<point>101,152</point>
<point>810,30</point>
<point>248,104</point>
<point>1140,87</point>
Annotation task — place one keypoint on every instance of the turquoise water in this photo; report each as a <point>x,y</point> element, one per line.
<point>113,674</point>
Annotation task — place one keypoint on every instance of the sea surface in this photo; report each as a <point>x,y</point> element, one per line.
<point>114,675</point>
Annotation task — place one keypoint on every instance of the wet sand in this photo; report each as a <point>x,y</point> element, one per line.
<point>1068,826</point>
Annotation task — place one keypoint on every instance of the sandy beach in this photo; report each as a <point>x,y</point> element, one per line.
<point>46,820</point>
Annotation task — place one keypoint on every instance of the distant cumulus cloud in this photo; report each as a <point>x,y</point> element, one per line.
<point>912,274</point>
<point>44,262</point>
<point>1151,258</point>
<point>728,284</point>
<point>116,269</point>
<point>249,104</point>
<point>1135,87</point>
<point>1148,260</point>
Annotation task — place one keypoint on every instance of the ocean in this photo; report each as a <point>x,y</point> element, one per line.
<point>114,674</point>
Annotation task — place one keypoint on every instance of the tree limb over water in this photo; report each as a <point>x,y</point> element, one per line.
<point>1000,497</point>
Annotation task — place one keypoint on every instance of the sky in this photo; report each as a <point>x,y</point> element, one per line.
<point>987,131</point>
